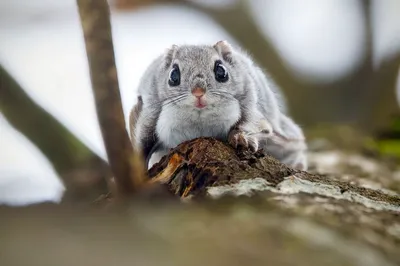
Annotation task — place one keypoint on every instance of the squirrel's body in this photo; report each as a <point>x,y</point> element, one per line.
<point>213,91</point>
<point>174,128</point>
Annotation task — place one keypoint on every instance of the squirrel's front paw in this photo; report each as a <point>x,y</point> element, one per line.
<point>238,138</point>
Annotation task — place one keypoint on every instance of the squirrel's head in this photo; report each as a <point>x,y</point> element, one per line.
<point>199,76</point>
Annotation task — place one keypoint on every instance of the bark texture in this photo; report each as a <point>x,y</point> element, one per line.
<point>195,166</point>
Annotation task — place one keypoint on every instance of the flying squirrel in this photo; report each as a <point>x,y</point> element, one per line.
<point>218,91</point>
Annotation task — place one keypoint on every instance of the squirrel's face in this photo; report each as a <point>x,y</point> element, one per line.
<point>198,77</point>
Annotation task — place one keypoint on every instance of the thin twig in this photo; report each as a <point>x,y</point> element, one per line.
<point>127,166</point>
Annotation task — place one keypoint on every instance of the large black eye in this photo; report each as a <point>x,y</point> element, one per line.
<point>174,76</point>
<point>221,74</point>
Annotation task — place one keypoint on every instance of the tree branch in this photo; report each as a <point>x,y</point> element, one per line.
<point>66,153</point>
<point>127,166</point>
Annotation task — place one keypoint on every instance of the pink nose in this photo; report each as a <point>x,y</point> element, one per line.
<point>198,92</point>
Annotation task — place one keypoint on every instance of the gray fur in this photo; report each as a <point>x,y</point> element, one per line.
<point>248,102</point>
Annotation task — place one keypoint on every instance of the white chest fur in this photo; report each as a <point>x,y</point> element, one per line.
<point>176,125</point>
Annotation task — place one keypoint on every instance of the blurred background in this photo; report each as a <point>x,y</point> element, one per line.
<point>337,61</point>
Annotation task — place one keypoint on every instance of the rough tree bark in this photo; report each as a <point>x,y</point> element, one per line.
<point>197,165</point>
<point>127,166</point>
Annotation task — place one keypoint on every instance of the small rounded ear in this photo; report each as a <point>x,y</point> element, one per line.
<point>170,54</point>
<point>225,50</point>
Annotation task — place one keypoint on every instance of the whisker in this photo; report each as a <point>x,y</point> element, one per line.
<point>157,94</point>
<point>173,100</point>
<point>223,94</point>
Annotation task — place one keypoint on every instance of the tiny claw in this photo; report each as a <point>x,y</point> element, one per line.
<point>238,139</point>
<point>252,144</point>
<point>241,141</point>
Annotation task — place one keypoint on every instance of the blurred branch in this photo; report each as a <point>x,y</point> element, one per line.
<point>382,94</point>
<point>240,24</point>
<point>379,85</point>
<point>127,166</point>
<point>334,101</point>
<point>66,153</point>
<point>52,138</point>
<point>132,4</point>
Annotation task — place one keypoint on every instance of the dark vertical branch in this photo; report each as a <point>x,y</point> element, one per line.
<point>379,84</point>
<point>365,91</point>
<point>368,42</point>
<point>127,166</point>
